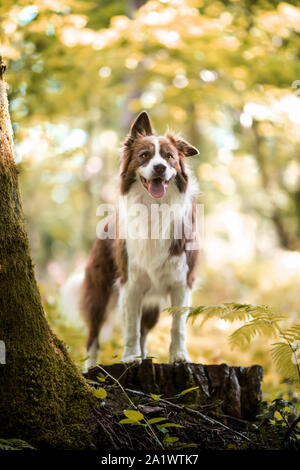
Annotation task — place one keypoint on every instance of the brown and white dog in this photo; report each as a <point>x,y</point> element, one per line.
<point>145,271</point>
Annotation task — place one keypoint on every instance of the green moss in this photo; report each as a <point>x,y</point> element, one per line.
<point>44,399</point>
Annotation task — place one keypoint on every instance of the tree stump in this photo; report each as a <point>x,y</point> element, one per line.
<point>235,391</point>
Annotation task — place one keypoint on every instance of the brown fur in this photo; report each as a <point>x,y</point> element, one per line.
<point>121,259</point>
<point>178,246</point>
<point>149,319</point>
<point>100,274</point>
<point>108,261</point>
<point>133,149</point>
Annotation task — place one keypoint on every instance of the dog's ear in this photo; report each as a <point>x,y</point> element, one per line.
<point>187,149</point>
<point>183,146</point>
<point>141,126</point>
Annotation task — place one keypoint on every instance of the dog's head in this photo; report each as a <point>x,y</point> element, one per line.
<point>153,161</point>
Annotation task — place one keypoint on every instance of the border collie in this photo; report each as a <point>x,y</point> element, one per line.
<point>154,264</point>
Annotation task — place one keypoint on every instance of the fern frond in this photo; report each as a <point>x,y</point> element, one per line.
<point>259,326</point>
<point>292,333</point>
<point>207,312</point>
<point>242,312</point>
<point>229,311</point>
<point>260,320</point>
<point>284,359</point>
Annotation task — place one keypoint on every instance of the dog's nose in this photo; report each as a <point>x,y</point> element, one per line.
<point>159,169</point>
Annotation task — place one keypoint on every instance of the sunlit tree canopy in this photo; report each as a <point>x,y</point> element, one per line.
<point>225,74</point>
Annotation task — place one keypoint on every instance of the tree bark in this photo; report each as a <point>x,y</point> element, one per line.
<point>287,240</point>
<point>235,391</point>
<point>134,90</point>
<point>43,397</point>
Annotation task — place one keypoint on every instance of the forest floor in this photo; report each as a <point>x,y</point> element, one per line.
<point>125,419</point>
<point>134,420</point>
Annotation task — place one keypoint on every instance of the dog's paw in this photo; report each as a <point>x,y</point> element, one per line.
<point>131,359</point>
<point>179,356</point>
<point>90,363</point>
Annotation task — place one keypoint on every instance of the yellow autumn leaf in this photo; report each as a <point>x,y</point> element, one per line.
<point>134,415</point>
<point>100,393</point>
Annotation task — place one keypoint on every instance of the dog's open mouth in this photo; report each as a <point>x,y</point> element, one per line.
<point>156,187</point>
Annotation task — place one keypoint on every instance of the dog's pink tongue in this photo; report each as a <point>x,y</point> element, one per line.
<point>157,188</point>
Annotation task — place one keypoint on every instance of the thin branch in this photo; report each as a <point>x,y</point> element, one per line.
<point>292,428</point>
<point>193,412</point>
<point>120,385</point>
<point>133,405</point>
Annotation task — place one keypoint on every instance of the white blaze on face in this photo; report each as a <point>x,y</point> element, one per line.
<point>156,184</point>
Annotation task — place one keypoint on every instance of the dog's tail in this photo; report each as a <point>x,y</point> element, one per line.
<point>70,307</point>
<point>70,299</point>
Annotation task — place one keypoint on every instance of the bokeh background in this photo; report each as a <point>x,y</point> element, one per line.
<point>222,73</point>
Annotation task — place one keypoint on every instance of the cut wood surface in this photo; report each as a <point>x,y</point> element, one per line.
<point>236,390</point>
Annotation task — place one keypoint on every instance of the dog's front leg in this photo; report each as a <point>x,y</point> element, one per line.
<point>180,297</point>
<point>131,301</point>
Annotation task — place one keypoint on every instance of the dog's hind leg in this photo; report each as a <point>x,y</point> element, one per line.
<point>149,319</point>
<point>95,314</point>
<point>97,290</point>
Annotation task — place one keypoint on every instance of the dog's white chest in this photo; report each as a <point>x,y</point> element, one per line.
<point>150,234</point>
<point>150,261</point>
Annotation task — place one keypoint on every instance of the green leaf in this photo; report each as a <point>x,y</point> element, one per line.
<point>134,415</point>
<point>155,397</point>
<point>84,359</point>
<point>187,390</point>
<point>101,379</point>
<point>171,425</point>
<point>162,429</point>
<point>156,420</point>
<point>15,444</point>
<point>231,446</point>
<point>171,439</point>
<point>100,393</point>
<point>129,421</point>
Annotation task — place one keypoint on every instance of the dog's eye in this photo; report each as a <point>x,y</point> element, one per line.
<point>144,155</point>
<point>169,155</point>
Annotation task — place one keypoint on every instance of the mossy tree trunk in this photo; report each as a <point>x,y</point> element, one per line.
<point>43,397</point>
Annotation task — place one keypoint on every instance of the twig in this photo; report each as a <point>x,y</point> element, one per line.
<point>238,420</point>
<point>120,385</point>
<point>123,373</point>
<point>292,428</point>
<point>109,435</point>
<point>191,411</point>
<point>133,405</point>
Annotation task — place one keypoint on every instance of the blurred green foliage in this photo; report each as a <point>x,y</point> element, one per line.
<point>222,73</point>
